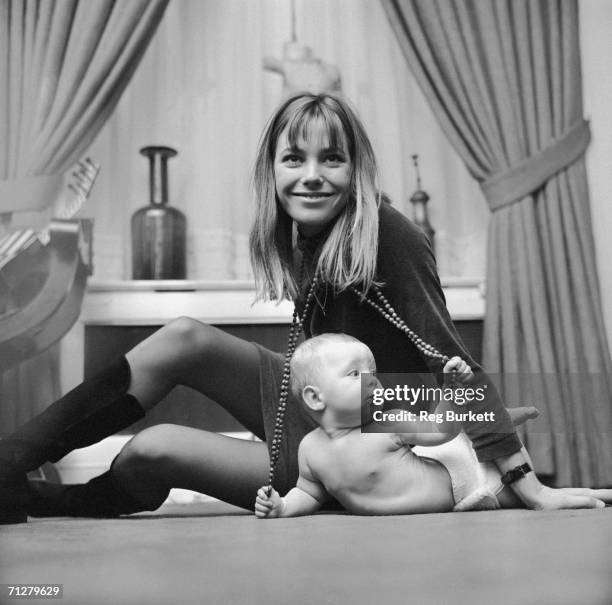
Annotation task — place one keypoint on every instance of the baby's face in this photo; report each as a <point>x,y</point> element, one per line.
<point>340,380</point>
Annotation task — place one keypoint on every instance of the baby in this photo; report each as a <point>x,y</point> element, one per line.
<point>381,473</point>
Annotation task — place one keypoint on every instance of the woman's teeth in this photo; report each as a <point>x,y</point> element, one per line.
<point>313,196</point>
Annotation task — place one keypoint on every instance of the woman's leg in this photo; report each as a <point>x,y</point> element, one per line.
<point>93,410</point>
<point>183,352</point>
<point>188,352</point>
<point>166,456</point>
<point>150,464</point>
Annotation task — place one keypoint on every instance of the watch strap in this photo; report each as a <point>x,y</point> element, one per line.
<point>515,474</point>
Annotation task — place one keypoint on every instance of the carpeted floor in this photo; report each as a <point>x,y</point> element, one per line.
<point>215,554</point>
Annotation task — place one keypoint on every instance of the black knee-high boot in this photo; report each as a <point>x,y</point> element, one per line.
<point>92,411</point>
<point>101,497</point>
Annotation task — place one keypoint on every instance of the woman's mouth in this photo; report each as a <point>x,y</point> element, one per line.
<point>319,195</point>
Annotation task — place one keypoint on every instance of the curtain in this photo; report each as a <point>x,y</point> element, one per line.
<point>202,89</point>
<point>503,78</point>
<point>63,67</point>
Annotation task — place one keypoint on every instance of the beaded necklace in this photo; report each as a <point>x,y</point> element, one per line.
<point>383,307</point>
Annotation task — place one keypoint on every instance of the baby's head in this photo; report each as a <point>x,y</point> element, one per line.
<point>326,375</point>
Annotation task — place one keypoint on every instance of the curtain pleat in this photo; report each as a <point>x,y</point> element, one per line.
<point>63,67</point>
<point>503,79</point>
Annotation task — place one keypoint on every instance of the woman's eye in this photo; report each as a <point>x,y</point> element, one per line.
<point>334,159</point>
<point>292,160</point>
<point>354,373</point>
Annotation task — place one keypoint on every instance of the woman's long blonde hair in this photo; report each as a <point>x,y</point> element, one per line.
<point>348,256</point>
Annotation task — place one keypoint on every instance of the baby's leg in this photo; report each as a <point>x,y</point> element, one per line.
<point>522,414</point>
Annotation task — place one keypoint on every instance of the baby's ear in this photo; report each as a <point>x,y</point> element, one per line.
<point>311,398</point>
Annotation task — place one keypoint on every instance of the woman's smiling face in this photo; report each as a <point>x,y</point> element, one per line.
<point>313,179</point>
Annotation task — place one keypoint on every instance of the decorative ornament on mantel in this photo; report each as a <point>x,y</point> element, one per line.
<point>300,69</point>
<point>158,230</point>
<point>419,201</point>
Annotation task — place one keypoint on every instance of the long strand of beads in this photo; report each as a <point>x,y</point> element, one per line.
<point>385,309</point>
<point>297,324</point>
<point>389,313</point>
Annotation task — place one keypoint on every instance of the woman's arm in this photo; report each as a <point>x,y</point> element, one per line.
<point>414,289</point>
<point>412,286</point>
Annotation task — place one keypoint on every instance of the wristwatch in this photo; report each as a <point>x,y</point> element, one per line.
<point>515,474</point>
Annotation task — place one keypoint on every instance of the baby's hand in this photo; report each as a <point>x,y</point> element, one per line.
<point>268,507</point>
<point>461,370</point>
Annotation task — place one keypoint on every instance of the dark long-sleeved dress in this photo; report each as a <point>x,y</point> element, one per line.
<point>406,268</point>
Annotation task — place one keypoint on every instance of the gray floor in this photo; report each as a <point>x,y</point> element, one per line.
<point>211,553</point>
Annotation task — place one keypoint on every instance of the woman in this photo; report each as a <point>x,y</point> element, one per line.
<point>319,213</point>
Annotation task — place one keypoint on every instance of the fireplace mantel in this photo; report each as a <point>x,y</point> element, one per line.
<point>154,303</point>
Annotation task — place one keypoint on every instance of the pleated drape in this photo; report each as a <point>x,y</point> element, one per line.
<point>503,78</point>
<point>63,67</point>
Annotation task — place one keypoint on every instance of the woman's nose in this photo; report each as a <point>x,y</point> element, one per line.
<point>312,174</point>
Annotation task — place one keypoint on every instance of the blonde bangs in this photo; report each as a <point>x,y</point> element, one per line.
<point>311,119</point>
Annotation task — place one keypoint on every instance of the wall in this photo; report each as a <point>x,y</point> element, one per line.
<point>203,179</point>
<point>201,88</point>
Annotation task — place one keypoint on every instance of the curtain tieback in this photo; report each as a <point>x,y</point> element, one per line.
<point>29,194</point>
<point>511,185</point>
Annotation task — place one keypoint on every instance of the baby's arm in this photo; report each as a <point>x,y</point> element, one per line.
<point>296,503</point>
<point>437,428</point>
<point>430,432</point>
<point>305,498</point>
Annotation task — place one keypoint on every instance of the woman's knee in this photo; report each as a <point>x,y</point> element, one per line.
<point>139,467</point>
<point>187,338</point>
<point>145,454</point>
<point>187,332</point>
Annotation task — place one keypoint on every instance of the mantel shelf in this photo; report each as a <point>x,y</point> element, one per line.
<point>193,285</point>
<point>155,302</point>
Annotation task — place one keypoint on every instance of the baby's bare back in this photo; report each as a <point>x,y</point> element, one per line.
<point>374,474</point>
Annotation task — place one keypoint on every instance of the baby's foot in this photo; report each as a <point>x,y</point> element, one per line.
<point>522,414</point>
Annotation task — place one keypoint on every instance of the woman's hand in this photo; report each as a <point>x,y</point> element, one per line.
<point>268,506</point>
<point>547,498</point>
<point>539,497</point>
<point>458,369</point>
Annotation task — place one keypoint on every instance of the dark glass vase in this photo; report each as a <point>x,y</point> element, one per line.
<point>158,230</point>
